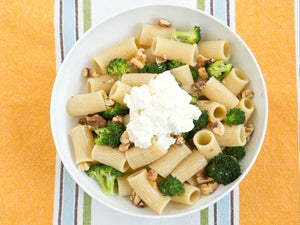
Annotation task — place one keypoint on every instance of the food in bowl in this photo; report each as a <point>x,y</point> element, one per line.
<point>165,117</point>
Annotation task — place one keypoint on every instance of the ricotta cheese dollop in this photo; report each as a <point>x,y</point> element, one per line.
<point>159,109</point>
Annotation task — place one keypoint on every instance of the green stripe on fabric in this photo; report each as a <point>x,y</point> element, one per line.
<point>201,4</point>
<point>87,200</point>
<point>87,203</point>
<point>204,217</point>
<point>87,19</point>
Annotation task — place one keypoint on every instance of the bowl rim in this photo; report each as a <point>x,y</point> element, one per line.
<point>52,114</point>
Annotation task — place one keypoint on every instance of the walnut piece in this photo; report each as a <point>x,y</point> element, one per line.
<point>136,200</point>
<point>217,127</point>
<point>84,166</point>
<point>137,63</point>
<point>202,73</point>
<point>88,72</point>
<point>179,140</point>
<point>139,60</point>
<point>82,121</point>
<point>124,147</point>
<point>152,175</point>
<point>118,119</point>
<point>202,61</point>
<point>109,102</point>
<point>249,130</point>
<point>95,121</point>
<point>124,139</point>
<point>209,188</point>
<point>160,60</point>
<point>202,178</point>
<point>248,93</point>
<point>199,86</point>
<point>164,23</point>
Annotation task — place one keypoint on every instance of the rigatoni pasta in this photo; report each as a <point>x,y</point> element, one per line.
<point>125,49</point>
<point>216,49</point>
<point>164,165</point>
<point>151,196</point>
<point>80,105</point>
<point>174,50</point>
<point>181,149</point>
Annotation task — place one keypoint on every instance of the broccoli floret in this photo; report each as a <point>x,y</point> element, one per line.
<point>235,117</point>
<point>117,67</point>
<point>219,69</point>
<point>109,135</point>
<point>190,37</point>
<point>106,177</point>
<point>117,109</point>
<point>194,73</point>
<point>154,68</point>
<point>171,186</point>
<point>237,152</point>
<point>223,168</point>
<point>194,100</point>
<point>199,124</point>
<point>172,64</point>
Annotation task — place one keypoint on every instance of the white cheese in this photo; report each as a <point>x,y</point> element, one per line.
<point>159,109</point>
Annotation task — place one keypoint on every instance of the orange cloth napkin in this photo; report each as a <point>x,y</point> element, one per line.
<point>268,195</point>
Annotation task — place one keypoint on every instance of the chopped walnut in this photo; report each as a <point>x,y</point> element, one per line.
<point>179,140</point>
<point>136,200</point>
<point>84,166</point>
<point>109,102</point>
<point>82,121</point>
<point>217,127</point>
<point>209,188</point>
<point>202,178</point>
<point>248,93</point>
<point>124,147</point>
<point>160,60</point>
<point>140,55</point>
<point>199,86</point>
<point>124,139</point>
<point>152,175</point>
<point>202,61</point>
<point>202,73</point>
<point>118,119</point>
<point>139,60</point>
<point>137,63</point>
<point>95,122</point>
<point>87,72</point>
<point>164,23</point>
<point>249,130</point>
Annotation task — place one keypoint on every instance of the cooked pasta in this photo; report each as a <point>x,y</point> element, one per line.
<point>206,143</point>
<point>217,92</point>
<point>83,104</point>
<point>217,49</point>
<point>125,49</point>
<point>190,197</point>
<point>158,131</point>
<point>174,50</point>
<point>83,143</point>
<point>151,196</point>
<point>149,31</point>
<point>189,166</point>
<point>216,111</point>
<point>164,165</point>
<point>235,81</point>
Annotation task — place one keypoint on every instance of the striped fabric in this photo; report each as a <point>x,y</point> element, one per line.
<point>72,205</point>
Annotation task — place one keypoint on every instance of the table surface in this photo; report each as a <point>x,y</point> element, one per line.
<point>35,36</point>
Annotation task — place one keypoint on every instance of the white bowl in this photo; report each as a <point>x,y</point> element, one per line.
<point>69,82</point>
